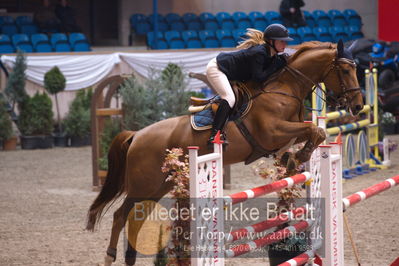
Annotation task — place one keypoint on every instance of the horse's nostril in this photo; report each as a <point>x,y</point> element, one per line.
<point>359,107</point>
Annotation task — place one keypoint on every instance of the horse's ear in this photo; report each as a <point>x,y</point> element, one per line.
<point>340,48</point>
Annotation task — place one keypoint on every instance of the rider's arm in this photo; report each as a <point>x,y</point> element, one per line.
<point>263,67</point>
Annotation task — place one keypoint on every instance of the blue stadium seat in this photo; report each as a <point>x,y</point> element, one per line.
<point>239,35</point>
<point>6,20</point>
<point>258,20</point>
<point>191,39</point>
<point>174,40</point>
<point>337,18</point>
<point>310,20</point>
<point>142,27</point>
<point>322,18</point>
<point>226,38</point>
<point>209,21</point>
<point>353,18</point>
<point>192,21</point>
<point>79,42</point>
<point>20,38</point>
<point>175,22</point>
<point>355,32</point>
<point>225,20</point>
<point>338,32</point>
<point>6,48</point>
<point>209,39</point>
<point>323,34</point>
<point>22,42</point>
<point>170,17</point>
<point>5,39</point>
<point>41,43</point>
<point>62,47</point>
<point>76,36</point>
<point>242,20</point>
<point>28,29</point>
<point>80,46</point>
<point>136,18</point>
<point>58,38</point>
<point>306,34</point>
<point>294,35</point>
<point>273,17</point>
<point>24,20</point>
<point>9,29</point>
<point>162,24</point>
<point>39,38</point>
<point>139,22</point>
<point>162,44</point>
<point>43,47</point>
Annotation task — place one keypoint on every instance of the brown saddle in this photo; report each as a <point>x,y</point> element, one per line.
<point>242,106</point>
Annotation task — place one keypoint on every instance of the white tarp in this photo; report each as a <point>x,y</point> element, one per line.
<point>82,71</point>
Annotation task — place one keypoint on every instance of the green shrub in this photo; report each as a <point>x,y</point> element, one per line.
<point>15,87</point>
<point>173,90</point>
<point>36,117</point>
<point>111,128</point>
<point>54,82</point>
<point>5,121</point>
<point>77,122</point>
<point>140,104</point>
<point>162,96</point>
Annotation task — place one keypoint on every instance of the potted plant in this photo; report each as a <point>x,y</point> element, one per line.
<point>54,82</point>
<point>77,122</point>
<point>388,122</point>
<point>7,139</point>
<point>36,122</point>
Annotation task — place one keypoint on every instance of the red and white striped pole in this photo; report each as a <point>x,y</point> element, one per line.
<point>266,189</point>
<point>371,191</point>
<point>299,260</point>
<point>268,239</point>
<point>264,225</point>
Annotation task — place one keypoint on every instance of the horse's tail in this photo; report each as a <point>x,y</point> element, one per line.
<point>114,185</point>
<point>254,37</point>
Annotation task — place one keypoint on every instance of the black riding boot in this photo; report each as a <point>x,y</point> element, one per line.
<point>221,116</point>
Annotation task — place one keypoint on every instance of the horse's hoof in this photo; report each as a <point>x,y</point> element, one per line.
<point>108,260</point>
<point>130,257</point>
<point>291,165</point>
<point>284,158</point>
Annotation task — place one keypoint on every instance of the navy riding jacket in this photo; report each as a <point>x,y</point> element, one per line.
<point>254,63</point>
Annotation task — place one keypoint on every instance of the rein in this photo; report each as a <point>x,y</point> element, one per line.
<point>340,100</point>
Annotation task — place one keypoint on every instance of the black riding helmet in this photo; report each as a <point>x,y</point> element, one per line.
<point>276,32</point>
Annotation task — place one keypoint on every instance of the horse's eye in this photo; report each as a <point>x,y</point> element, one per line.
<point>345,71</point>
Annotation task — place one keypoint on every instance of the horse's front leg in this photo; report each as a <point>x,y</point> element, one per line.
<point>308,132</point>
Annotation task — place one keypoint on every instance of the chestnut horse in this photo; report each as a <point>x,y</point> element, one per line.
<point>274,121</point>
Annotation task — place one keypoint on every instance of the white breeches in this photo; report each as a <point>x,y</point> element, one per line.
<point>220,82</point>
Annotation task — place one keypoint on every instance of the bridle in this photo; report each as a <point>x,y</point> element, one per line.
<point>342,100</point>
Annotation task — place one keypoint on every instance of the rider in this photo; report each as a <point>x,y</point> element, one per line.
<point>255,63</point>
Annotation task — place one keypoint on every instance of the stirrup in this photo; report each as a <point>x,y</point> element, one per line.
<point>211,139</point>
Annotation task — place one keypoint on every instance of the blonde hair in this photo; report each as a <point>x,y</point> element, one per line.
<point>254,37</point>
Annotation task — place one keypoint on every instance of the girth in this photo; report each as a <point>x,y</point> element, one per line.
<point>257,150</point>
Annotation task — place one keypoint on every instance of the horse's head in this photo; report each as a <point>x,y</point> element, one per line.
<point>340,77</point>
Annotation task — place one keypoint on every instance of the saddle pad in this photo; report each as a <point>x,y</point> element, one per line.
<point>202,120</point>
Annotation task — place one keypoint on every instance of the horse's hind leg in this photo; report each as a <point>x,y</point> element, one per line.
<point>119,220</point>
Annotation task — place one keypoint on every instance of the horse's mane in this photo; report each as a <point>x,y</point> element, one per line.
<point>306,46</point>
